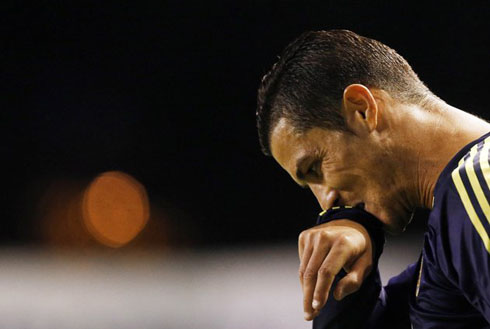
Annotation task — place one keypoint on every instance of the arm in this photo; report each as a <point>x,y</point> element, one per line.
<point>325,250</point>
<point>370,306</point>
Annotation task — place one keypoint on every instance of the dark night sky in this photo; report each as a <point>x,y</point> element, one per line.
<point>165,91</point>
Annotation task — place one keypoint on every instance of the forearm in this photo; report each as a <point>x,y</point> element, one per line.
<point>371,306</point>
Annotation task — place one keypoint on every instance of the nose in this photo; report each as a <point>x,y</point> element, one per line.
<point>325,195</point>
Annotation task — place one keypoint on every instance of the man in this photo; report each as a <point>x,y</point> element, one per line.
<point>348,118</point>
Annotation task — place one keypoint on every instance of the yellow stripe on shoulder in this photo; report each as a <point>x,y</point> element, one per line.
<point>484,165</point>
<point>465,199</point>
<point>475,184</point>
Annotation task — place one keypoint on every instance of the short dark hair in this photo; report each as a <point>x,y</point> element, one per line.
<point>306,84</point>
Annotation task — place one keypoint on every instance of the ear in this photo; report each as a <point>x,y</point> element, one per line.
<point>360,109</point>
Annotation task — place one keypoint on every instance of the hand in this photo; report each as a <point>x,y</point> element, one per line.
<point>323,251</point>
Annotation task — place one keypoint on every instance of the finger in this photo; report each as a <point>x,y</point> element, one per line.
<point>304,259</point>
<point>302,239</point>
<point>331,266</point>
<point>315,314</point>
<point>310,276</point>
<point>354,278</point>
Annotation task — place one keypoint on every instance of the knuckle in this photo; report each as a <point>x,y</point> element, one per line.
<point>325,235</point>
<point>356,280</point>
<point>344,241</point>
<point>309,274</point>
<point>356,283</point>
<point>302,236</point>
<point>325,272</point>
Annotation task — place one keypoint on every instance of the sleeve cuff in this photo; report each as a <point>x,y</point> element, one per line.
<point>372,224</point>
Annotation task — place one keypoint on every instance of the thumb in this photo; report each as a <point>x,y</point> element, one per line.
<point>353,280</point>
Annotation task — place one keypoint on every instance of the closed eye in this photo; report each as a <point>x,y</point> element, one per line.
<point>313,170</point>
<point>304,175</point>
<point>307,169</point>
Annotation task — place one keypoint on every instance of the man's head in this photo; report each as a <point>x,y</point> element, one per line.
<point>327,111</point>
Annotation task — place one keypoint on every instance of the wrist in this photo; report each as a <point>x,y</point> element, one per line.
<point>361,220</point>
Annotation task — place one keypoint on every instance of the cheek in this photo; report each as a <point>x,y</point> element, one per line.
<point>377,202</point>
<point>346,182</point>
<point>349,176</point>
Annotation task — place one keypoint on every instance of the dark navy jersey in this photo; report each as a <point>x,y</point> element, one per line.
<point>449,287</point>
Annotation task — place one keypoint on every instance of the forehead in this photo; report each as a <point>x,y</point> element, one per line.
<point>285,142</point>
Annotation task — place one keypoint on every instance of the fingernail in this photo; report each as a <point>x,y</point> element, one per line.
<point>307,316</point>
<point>315,304</point>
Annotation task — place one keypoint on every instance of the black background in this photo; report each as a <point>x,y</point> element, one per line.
<point>166,91</point>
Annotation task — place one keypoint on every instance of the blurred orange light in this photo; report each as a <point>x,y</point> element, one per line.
<point>115,208</point>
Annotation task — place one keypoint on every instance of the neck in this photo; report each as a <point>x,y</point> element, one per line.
<point>435,134</point>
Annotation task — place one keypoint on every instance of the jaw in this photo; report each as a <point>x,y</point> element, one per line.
<point>394,219</point>
<point>388,200</point>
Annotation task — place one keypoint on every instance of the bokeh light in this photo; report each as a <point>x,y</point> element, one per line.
<point>115,208</point>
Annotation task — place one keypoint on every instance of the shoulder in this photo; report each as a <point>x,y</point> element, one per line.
<point>469,193</point>
<point>458,236</point>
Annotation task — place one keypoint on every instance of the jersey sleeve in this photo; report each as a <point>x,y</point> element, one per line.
<point>392,307</point>
<point>371,306</point>
<point>466,253</point>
